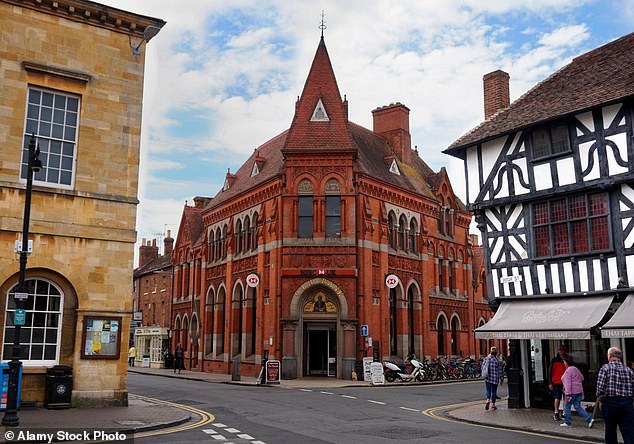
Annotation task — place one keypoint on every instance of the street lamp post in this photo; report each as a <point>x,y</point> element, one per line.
<point>11,414</point>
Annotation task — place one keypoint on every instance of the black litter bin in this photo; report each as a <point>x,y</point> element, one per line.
<point>169,360</point>
<point>59,387</point>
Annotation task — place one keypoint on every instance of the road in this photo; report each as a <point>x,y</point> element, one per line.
<point>365,415</point>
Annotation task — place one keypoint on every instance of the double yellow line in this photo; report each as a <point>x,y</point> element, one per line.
<point>431,412</point>
<point>205,418</point>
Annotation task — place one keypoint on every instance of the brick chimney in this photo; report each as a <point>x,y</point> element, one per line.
<point>147,252</point>
<point>168,244</point>
<point>392,123</point>
<point>496,92</point>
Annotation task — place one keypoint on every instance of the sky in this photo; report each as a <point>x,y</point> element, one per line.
<point>222,76</point>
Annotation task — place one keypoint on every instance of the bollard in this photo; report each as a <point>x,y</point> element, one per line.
<point>235,370</point>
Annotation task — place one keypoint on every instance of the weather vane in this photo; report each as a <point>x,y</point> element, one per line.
<point>322,26</point>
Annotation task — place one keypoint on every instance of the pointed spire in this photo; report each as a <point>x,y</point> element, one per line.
<point>320,91</point>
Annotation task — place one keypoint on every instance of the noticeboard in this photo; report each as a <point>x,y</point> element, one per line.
<point>101,337</point>
<point>273,373</point>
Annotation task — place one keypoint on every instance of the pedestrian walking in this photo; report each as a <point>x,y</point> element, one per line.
<point>493,376</point>
<point>557,369</point>
<point>179,358</point>
<point>131,355</point>
<point>573,389</point>
<point>615,390</point>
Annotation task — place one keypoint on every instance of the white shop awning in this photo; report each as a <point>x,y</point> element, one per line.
<point>546,318</point>
<point>621,325</point>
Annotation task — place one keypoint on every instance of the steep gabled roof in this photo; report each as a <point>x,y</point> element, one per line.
<point>601,76</point>
<point>191,228</point>
<point>321,85</point>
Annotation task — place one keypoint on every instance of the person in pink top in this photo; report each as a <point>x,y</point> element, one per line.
<point>573,388</point>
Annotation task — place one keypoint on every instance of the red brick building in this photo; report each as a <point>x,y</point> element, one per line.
<point>153,300</point>
<point>322,213</point>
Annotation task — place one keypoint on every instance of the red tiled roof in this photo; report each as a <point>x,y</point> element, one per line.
<point>194,220</point>
<point>603,75</point>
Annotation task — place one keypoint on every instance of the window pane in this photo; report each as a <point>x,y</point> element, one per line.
<point>580,236</point>
<point>49,352</point>
<point>53,303</point>
<point>542,241</point>
<point>51,335</point>
<point>38,335</point>
<point>558,210</point>
<point>577,207</point>
<point>305,206</point>
<point>72,104</point>
<point>600,235</point>
<point>47,99</point>
<point>37,351</point>
<point>333,205</point>
<point>34,96</point>
<point>8,335</point>
<point>65,177</point>
<point>40,303</point>
<point>598,204</point>
<point>560,239</point>
<point>541,213</point>
<point>45,114</point>
<point>333,226</point>
<point>560,142</point>
<point>541,142</point>
<point>305,227</point>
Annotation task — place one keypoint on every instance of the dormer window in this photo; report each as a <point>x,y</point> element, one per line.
<point>394,168</point>
<point>319,114</point>
<point>550,140</point>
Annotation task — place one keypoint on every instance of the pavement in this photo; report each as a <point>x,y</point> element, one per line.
<point>144,414</point>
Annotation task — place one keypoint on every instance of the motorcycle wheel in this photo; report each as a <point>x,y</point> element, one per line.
<point>390,377</point>
<point>420,377</point>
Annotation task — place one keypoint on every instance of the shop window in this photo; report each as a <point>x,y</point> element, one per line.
<point>40,335</point>
<point>52,117</point>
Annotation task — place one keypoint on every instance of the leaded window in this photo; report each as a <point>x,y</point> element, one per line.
<point>550,140</point>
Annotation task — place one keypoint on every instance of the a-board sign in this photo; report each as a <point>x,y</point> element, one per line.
<point>273,372</point>
<point>376,368</point>
<point>367,374</point>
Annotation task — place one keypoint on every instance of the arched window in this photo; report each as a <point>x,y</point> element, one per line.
<point>448,224</point>
<point>212,246</point>
<point>219,336</point>
<point>251,320</point>
<point>40,336</point>
<point>455,326</point>
<point>410,318</point>
<point>440,328</point>
<point>237,312</point>
<point>441,277</point>
<point>441,217</point>
<point>218,245</point>
<point>209,322</point>
<point>402,225</point>
<point>391,226</point>
<point>333,208</point>
<point>238,237</point>
<point>393,326</point>
<point>305,209</point>
<point>247,234</point>
<point>254,228</point>
<point>224,241</point>
<point>451,284</point>
<point>413,231</point>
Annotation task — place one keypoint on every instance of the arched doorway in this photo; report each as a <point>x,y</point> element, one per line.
<point>441,328</point>
<point>319,313</point>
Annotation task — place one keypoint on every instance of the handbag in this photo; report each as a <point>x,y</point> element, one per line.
<point>485,368</point>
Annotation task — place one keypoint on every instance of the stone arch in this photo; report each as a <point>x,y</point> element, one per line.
<point>456,316</point>
<point>301,294</point>
<point>305,184</point>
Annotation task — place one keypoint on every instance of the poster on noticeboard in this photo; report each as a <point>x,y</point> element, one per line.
<point>101,337</point>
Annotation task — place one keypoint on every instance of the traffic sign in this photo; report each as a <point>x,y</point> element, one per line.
<point>364,330</point>
<point>253,280</point>
<point>391,280</point>
<point>20,317</point>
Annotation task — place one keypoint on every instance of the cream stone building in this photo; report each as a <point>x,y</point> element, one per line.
<point>71,72</point>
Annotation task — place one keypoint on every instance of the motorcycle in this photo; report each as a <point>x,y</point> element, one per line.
<point>419,370</point>
<point>393,372</point>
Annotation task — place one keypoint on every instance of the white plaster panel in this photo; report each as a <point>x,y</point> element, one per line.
<point>628,192</point>
<point>494,220</point>
<point>584,150</point>
<point>517,286</point>
<point>519,188</point>
<point>598,282</point>
<point>566,171</point>
<point>613,272</point>
<point>496,255</point>
<point>496,283</point>
<point>517,247</point>
<point>629,240</point>
<point>528,279</point>
<point>504,190</point>
<point>505,286</point>
<point>543,179</point>
<point>541,277</point>
<point>473,174</point>
<point>587,121</point>
<point>490,152</point>
<point>517,212</point>
<point>629,265</point>
<point>568,277</point>
<point>583,276</point>
<point>621,142</point>
<point>554,273</point>
<point>609,113</point>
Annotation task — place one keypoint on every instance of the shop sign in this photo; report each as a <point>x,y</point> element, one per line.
<point>253,280</point>
<point>391,280</point>
<point>273,373</point>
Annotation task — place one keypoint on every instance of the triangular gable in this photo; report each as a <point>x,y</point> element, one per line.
<point>320,114</point>
<point>255,170</point>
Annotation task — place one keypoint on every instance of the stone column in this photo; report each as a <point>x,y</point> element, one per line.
<point>348,360</point>
<point>289,358</point>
